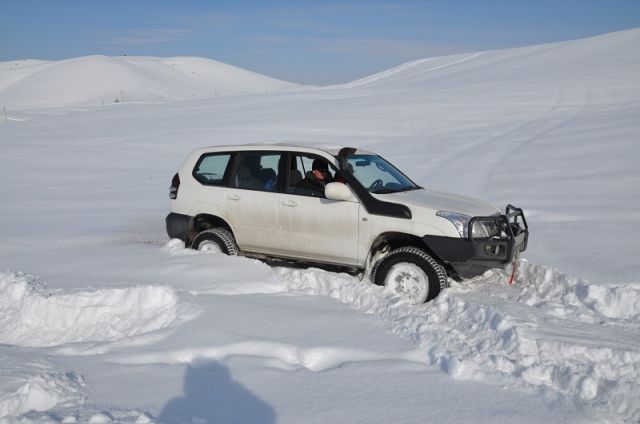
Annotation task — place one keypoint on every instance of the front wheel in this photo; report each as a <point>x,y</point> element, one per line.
<point>217,240</point>
<point>411,273</point>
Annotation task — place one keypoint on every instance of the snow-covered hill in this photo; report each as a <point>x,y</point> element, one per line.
<point>611,54</point>
<point>104,319</point>
<point>94,80</point>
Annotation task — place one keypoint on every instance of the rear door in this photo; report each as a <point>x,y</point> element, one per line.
<point>251,202</point>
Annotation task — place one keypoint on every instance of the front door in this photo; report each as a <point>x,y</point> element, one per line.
<point>312,226</point>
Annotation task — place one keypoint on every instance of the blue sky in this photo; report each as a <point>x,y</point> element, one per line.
<point>312,42</point>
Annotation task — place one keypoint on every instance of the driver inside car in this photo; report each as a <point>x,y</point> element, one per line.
<point>317,178</point>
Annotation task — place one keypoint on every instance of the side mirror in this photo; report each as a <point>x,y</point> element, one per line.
<point>339,191</point>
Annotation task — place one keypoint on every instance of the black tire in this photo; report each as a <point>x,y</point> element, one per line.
<point>435,273</point>
<point>221,237</point>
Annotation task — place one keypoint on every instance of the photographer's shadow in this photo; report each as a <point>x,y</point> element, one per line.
<point>210,394</point>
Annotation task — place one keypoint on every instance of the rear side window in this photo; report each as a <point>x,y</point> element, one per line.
<point>257,171</point>
<point>210,169</point>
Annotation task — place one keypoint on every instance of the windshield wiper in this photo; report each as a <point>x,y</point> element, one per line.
<point>410,188</point>
<point>397,190</point>
<point>384,191</point>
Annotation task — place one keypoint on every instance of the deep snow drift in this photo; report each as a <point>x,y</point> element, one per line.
<point>132,327</point>
<point>34,317</point>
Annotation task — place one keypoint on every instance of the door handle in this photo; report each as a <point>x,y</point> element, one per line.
<point>233,197</point>
<point>289,203</point>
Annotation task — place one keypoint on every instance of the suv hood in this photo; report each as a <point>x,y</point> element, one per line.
<point>429,201</point>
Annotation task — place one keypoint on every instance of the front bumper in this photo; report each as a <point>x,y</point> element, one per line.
<point>472,256</point>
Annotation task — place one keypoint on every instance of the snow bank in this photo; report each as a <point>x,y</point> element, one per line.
<point>486,329</point>
<point>32,316</point>
<point>89,415</point>
<point>563,295</point>
<point>42,392</point>
<point>176,247</point>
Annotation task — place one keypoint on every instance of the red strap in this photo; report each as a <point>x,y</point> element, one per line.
<point>513,273</point>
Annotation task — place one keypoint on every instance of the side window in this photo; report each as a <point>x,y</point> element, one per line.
<point>304,179</point>
<point>211,168</point>
<point>257,171</point>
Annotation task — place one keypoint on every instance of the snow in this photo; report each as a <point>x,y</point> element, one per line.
<point>103,319</point>
<point>42,392</point>
<point>34,317</point>
<point>98,80</point>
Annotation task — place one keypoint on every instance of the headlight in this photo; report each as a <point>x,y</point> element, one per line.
<point>460,221</point>
<point>481,229</point>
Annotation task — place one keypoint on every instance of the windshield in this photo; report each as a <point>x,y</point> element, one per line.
<point>378,175</point>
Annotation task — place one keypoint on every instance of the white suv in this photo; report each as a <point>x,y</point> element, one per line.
<point>263,200</point>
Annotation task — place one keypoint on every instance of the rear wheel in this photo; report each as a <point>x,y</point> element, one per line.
<point>411,273</point>
<point>218,240</point>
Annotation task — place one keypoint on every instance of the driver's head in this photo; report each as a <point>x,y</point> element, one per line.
<point>320,169</point>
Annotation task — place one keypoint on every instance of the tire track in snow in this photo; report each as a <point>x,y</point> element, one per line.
<point>486,329</point>
<point>492,152</point>
<point>573,101</point>
<point>551,332</point>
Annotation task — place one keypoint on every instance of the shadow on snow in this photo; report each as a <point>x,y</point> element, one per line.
<point>212,396</point>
